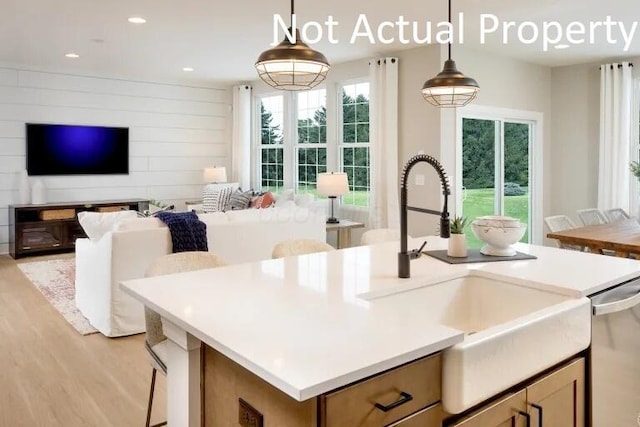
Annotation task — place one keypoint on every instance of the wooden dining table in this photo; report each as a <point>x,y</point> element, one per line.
<point>622,237</point>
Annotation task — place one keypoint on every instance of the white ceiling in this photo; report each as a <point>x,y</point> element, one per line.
<point>222,40</point>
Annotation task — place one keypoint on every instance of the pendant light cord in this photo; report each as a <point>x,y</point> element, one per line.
<point>449,24</point>
<point>292,13</point>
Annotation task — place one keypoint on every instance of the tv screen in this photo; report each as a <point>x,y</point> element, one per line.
<point>76,150</point>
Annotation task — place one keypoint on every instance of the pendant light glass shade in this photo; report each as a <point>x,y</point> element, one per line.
<point>450,88</point>
<point>292,66</point>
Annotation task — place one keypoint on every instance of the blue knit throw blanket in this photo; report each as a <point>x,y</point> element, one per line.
<point>188,233</point>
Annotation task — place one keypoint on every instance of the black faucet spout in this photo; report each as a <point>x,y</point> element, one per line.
<point>405,256</point>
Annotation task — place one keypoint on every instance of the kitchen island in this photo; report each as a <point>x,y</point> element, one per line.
<point>312,324</point>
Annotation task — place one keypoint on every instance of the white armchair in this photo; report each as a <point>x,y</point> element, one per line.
<point>102,264</point>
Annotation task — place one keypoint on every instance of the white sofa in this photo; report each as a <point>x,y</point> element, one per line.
<point>125,253</point>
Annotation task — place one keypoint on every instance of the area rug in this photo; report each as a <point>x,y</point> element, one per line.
<point>55,279</point>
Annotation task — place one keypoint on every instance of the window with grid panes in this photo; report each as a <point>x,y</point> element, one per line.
<point>272,143</point>
<point>297,141</point>
<point>311,148</point>
<point>354,145</point>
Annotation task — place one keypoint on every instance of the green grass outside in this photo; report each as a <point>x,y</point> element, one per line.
<point>354,198</point>
<point>480,202</point>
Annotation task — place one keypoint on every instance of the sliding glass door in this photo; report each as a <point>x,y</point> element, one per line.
<point>496,170</point>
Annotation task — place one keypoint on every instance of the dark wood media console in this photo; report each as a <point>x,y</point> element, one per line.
<point>54,227</point>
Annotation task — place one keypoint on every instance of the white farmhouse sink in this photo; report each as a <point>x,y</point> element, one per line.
<point>512,332</point>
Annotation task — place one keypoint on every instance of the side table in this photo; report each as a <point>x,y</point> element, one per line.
<point>343,229</point>
<point>192,204</point>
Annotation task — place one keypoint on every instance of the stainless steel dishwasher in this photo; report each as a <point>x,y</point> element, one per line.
<point>615,351</point>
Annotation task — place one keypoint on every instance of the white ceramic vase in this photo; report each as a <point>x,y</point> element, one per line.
<point>457,246</point>
<point>24,190</point>
<point>38,192</point>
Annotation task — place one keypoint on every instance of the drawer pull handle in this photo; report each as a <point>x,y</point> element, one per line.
<point>539,409</point>
<point>527,417</point>
<point>404,398</point>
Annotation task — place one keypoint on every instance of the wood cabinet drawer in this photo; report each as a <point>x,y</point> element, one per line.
<point>428,417</point>
<point>402,391</point>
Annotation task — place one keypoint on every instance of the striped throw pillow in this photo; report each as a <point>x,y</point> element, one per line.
<point>239,200</point>
<point>215,200</point>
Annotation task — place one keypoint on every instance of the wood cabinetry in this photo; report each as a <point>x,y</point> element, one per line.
<point>507,412</point>
<point>554,400</point>
<point>558,399</point>
<point>430,416</point>
<point>408,396</point>
<point>385,398</point>
<point>54,227</point>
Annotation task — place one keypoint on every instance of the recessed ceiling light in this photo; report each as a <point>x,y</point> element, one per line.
<point>187,69</point>
<point>137,20</point>
<point>72,55</point>
<point>562,46</point>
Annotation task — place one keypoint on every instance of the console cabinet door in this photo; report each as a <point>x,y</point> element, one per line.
<point>558,399</point>
<point>507,412</point>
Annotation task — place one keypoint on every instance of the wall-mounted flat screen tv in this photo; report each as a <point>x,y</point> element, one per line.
<point>76,150</point>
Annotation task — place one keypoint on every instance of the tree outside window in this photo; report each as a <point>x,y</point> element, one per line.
<point>312,139</point>
<point>271,144</point>
<point>355,143</point>
<point>308,149</point>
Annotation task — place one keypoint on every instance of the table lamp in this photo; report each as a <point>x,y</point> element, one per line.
<point>215,174</point>
<point>332,185</point>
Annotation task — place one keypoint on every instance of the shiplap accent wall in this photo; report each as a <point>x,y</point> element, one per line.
<point>174,132</point>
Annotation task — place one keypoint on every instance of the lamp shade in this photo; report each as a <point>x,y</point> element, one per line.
<point>450,88</point>
<point>333,184</point>
<point>215,174</point>
<point>292,66</point>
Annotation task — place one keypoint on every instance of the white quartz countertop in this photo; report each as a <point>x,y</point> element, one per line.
<point>313,323</point>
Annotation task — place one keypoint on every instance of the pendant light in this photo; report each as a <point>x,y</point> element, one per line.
<point>292,66</point>
<point>450,88</point>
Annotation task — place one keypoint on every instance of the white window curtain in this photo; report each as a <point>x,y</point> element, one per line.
<point>384,209</point>
<point>634,186</point>
<point>241,136</point>
<point>616,111</point>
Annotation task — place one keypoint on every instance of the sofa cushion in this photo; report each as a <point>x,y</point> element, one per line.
<point>287,204</point>
<point>138,224</point>
<point>284,197</point>
<point>264,200</point>
<point>97,224</point>
<point>266,228</point>
<point>213,218</point>
<point>304,200</point>
<point>214,199</point>
<point>239,200</point>
<point>247,215</point>
<point>216,196</point>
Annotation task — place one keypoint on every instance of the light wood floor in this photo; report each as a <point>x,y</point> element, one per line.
<point>50,375</point>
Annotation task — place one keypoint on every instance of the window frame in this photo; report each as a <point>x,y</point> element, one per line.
<point>304,145</point>
<point>259,147</point>
<point>334,135</point>
<point>340,144</point>
<point>536,185</point>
